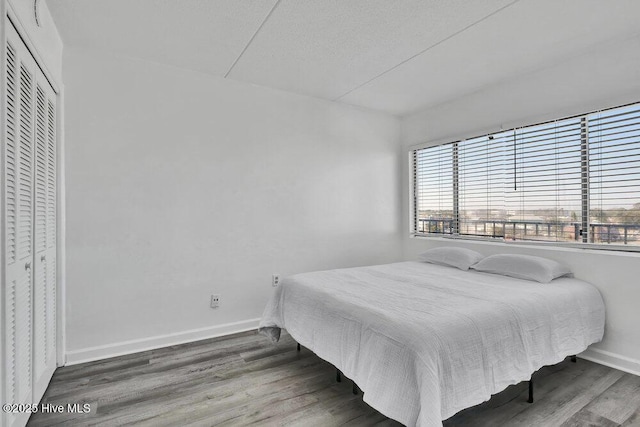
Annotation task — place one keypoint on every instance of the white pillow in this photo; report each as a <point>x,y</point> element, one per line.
<point>454,257</point>
<point>526,267</point>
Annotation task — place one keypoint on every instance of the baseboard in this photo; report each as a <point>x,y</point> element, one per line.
<point>134,346</point>
<point>612,360</point>
<point>92,354</point>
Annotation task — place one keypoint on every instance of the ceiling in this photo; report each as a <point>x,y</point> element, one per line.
<point>396,56</point>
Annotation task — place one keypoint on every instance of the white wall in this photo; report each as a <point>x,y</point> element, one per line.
<point>608,76</point>
<point>181,185</point>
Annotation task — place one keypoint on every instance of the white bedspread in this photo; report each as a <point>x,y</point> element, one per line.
<point>424,341</point>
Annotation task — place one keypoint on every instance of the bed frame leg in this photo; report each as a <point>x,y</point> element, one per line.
<point>530,400</point>
<point>298,346</point>
<point>573,358</point>
<point>355,388</point>
<point>338,376</point>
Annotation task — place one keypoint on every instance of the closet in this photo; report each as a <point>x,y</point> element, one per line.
<point>29,224</point>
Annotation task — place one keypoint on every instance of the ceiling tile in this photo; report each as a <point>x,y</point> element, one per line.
<point>327,48</point>
<point>396,56</point>
<point>203,35</point>
<point>530,35</point>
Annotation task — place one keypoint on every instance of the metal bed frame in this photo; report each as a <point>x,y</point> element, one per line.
<point>355,388</point>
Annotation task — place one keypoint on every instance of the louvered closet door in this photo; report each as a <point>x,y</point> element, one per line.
<point>18,181</point>
<point>44,350</point>
<point>30,221</point>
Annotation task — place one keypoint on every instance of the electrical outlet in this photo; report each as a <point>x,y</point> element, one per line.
<point>275,280</point>
<point>215,301</point>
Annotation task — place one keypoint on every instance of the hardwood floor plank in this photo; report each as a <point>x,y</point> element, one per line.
<point>218,397</point>
<point>586,418</point>
<point>318,414</point>
<point>554,409</point>
<point>244,379</point>
<point>619,401</point>
<point>504,406</point>
<point>633,420</point>
<point>233,392</point>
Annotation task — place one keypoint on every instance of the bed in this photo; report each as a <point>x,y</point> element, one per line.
<point>424,341</point>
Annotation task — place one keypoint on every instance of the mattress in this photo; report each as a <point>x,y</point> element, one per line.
<point>424,341</point>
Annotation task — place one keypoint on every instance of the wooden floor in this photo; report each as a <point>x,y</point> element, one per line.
<point>245,379</point>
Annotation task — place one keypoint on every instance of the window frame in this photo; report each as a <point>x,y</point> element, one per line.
<point>585,192</point>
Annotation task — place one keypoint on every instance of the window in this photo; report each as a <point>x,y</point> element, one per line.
<point>434,183</point>
<point>481,178</point>
<point>570,180</point>
<point>614,175</point>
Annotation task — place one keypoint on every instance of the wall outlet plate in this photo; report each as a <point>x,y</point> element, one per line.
<point>215,301</point>
<point>275,280</point>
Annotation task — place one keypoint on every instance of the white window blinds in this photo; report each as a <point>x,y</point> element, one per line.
<point>543,192</point>
<point>570,180</point>
<point>482,167</point>
<point>433,189</point>
<point>614,163</point>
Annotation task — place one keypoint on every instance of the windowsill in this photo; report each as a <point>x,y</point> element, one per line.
<point>632,252</point>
